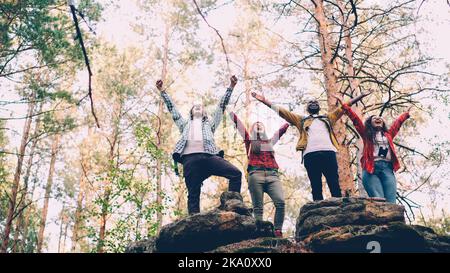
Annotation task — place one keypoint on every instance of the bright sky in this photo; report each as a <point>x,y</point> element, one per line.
<point>115,28</point>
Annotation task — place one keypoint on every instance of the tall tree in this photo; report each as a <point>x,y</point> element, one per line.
<point>22,223</point>
<point>331,86</point>
<point>17,174</point>
<point>48,190</point>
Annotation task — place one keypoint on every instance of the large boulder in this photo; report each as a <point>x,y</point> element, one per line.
<point>335,212</point>
<point>363,225</point>
<point>349,224</point>
<point>231,222</point>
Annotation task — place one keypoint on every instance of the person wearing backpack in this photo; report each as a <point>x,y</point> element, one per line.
<point>317,142</point>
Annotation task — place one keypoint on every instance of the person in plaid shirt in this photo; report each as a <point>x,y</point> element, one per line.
<point>196,149</point>
<point>263,169</point>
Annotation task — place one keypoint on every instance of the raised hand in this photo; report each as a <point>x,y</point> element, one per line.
<point>233,81</point>
<point>258,97</point>
<point>159,85</point>
<point>262,99</point>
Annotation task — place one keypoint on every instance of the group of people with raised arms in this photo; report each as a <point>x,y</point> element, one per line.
<point>201,158</point>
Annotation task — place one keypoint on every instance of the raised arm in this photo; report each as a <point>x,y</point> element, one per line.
<point>290,117</point>
<point>176,116</point>
<point>359,125</point>
<point>218,114</point>
<point>338,112</point>
<point>279,133</point>
<point>240,126</point>
<point>395,127</point>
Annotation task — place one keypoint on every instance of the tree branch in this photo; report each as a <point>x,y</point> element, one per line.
<point>218,34</point>
<point>86,60</point>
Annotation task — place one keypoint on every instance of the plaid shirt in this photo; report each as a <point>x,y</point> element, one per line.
<point>208,127</point>
<point>263,159</point>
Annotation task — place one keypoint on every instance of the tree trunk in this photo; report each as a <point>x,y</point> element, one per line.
<point>102,232</point>
<point>61,227</point>
<point>159,188</point>
<point>78,210</point>
<point>65,236</point>
<point>29,212</point>
<point>23,220</point>
<point>181,195</point>
<point>103,220</point>
<point>48,189</point>
<point>16,181</point>
<point>354,85</point>
<point>107,193</point>
<point>343,154</point>
<point>19,224</point>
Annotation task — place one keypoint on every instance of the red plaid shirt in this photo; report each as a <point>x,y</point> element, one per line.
<point>263,159</point>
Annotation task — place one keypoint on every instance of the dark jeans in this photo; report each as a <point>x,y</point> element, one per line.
<point>198,167</point>
<point>318,163</point>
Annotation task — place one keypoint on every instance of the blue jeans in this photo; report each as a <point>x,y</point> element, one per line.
<point>382,182</point>
<point>266,181</point>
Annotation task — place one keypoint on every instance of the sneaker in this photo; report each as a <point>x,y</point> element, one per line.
<point>278,233</point>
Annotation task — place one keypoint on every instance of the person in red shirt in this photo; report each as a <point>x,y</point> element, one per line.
<point>263,169</point>
<point>379,160</point>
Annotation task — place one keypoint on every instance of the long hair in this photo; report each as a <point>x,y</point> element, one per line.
<point>259,139</point>
<point>370,130</point>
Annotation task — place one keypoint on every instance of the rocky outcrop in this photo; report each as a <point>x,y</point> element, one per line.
<point>333,225</point>
<point>335,212</point>
<point>362,225</point>
<point>231,222</point>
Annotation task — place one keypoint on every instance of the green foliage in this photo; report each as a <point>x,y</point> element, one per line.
<point>441,225</point>
<point>146,141</point>
<point>57,95</point>
<point>43,27</point>
<point>130,205</point>
<point>51,125</point>
<point>31,238</point>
